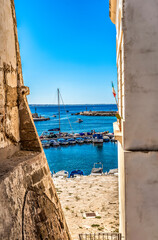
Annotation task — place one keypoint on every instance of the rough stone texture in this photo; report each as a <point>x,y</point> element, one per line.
<point>15,117</point>
<point>29,205</point>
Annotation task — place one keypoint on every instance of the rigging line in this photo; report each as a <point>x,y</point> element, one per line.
<point>66,113</point>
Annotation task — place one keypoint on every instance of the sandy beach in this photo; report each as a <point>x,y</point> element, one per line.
<point>89,194</point>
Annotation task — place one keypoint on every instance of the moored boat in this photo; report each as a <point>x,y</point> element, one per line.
<point>63,141</point>
<point>97,169</point>
<point>113,139</point>
<point>71,141</point>
<point>80,140</point>
<point>54,143</point>
<point>106,139</point>
<point>76,173</point>
<point>45,143</point>
<point>97,138</point>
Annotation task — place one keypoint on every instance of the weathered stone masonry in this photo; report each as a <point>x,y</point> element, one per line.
<point>29,205</point>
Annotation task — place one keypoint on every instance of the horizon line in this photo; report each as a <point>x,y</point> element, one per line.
<point>73,104</point>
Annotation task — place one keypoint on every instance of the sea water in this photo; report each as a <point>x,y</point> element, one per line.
<point>78,156</point>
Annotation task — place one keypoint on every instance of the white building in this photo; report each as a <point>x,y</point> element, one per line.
<point>137,63</point>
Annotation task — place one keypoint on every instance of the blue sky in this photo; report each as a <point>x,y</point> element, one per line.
<point>67,44</point>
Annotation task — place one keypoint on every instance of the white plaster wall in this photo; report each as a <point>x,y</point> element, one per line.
<point>121,169</point>
<point>140,27</point>
<point>141,195</point>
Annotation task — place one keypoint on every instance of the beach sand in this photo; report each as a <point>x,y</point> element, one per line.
<point>89,194</point>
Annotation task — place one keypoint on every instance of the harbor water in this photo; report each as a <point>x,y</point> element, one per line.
<point>78,156</point>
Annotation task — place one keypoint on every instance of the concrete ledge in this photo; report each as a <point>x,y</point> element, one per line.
<point>117,132</point>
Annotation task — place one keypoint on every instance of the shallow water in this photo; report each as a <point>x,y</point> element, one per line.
<point>78,156</point>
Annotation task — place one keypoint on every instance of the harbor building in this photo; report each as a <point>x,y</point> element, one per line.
<point>137,131</point>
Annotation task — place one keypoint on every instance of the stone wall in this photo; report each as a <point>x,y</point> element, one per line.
<point>29,205</point>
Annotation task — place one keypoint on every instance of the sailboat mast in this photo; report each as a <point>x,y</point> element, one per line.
<point>59,107</point>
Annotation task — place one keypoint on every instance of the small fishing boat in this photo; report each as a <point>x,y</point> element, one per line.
<point>71,141</point>
<point>106,139</point>
<point>82,134</point>
<point>54,116</point>
<point>88,133</point>
<point>54,143</point>
<point>76,135</point>
<point>45,144</point>
<point>36,117</point>
<point>97,169</point>
<point>63,141</point>
<point>113,139</point>
<point>110,135</point>
<point>61,173</point>
<point>44,135</point>
<point>97,138</point>
<point>79,120</point>
<point>80,140</point>
<point>87,139</point>
<point>76,173</point>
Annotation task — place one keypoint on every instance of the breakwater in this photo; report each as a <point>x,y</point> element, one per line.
<point>96,113</point>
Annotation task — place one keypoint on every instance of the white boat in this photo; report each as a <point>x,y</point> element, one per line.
<point>76,135</point>
<point>106,139</point>
<point>45,144</point>
<point>63,141</point>
<point>97,138</point>
<point>97,169</point>
<point>113,139</point>
<point>61,173</point>
<point>54,143</point>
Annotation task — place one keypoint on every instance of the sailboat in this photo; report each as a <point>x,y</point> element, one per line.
<point>59,128</point>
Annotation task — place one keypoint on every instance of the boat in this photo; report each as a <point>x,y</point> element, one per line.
<point>82,134</point>
<point>97,138</point>
<point>76,135</point>
<point>63,141</point>
<point>113,139</point>
<point>79,120</point>
<point>76,173</point>
<point>110,135</point>
<point>36,117</point>
<point>106,139</point>
<point>87,139</point>
<point>97,169</point>
<point>45,143</point>
<point>80,140</point>
<point>58,129</point>
<point>54,143</point>
<point>54,116</point>
<point>44,135</point>
<point>71,141</point>
<point>61,173</point>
